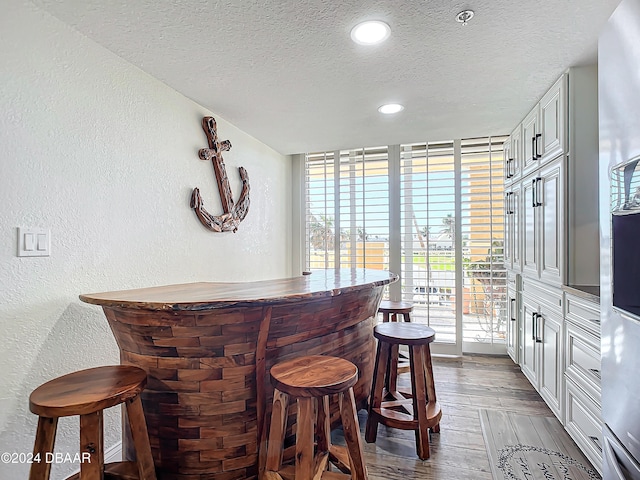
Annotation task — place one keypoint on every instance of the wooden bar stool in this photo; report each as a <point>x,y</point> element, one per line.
<point>311,380</point>
<point>407,410</point>
<point>391,311</point>
<point>87,393</point>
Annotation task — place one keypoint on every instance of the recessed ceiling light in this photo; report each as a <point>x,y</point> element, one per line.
<point>390,108</point>
<point>370,33</point>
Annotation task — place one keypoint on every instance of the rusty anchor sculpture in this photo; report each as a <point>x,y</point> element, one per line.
<point>233,213</point>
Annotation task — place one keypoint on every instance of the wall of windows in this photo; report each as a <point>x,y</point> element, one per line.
<point>432,212</point>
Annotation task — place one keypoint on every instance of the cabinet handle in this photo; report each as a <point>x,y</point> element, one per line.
<point>511,203</point>
<point>533,193</point>
<point>508,165</point>
<point>534,155</point>
<point>513,303</point>
<point>538,338</point>
<point>595,320</point>
<point>596,372</point>
<point>512,168</point>
<point>596,441</point>
<point>537,137</point>
<point>538,181</point>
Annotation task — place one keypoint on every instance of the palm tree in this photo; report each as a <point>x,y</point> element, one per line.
<point>321,234</point>
<point>449,226</point>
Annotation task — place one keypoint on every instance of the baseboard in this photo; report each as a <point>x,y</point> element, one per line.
<point>113,453</point>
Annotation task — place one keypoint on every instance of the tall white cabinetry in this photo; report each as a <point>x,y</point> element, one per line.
<point>551,221</point>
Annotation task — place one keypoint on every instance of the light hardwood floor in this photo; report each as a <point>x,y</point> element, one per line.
<point>463,386</point>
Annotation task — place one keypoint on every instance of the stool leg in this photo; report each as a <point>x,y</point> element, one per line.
<point>138,425</point>
<point>407,317</point>
<point>277,431</point>
<point>304,437</point>
<point>416,356</point>
<point>45,439</point>
<point>431,386</point>
<point>392,376</point>
<point>323,425</point>
<point>385,317</point>
<point>379,372</point>
<point>349,415</point>
<point>323,434</point>
<point>91,446</point>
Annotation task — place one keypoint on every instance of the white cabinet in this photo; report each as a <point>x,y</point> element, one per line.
<point>551,225</point>
<point>513,323</point>
<point>512,152</point>
<point>551,208</point>
<point>553,121</point>
<point>582,373</point>
<point>528,359</point>
<point>544,129</point>
<point>530,128</point>
<point>512,237</point>
<point>543,223</point>
<point>542,351</point>
<point>553,185</point>
<point>549,338</point>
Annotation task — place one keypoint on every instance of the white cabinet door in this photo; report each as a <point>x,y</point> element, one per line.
<point>512,228</point>
<point>530,131</point>
<point>513,322</point>
<point>508,230</point>
<point>528,362</point>
<point>552,140</point>
<point>516,153</point>
<point>549,342</point>
<point>516,228</point>
<point>529,227</point>
<point>549,196</point>
<point>507,159</point>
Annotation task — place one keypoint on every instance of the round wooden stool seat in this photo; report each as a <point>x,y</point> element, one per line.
<point>404,333</point>
<point>311,380</point>
<point>414,409</point>
<point>390,310</point>
<point>87,391</point>
<point>314,376</point>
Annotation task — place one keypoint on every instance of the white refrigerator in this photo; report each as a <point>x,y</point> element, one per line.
<point>619,124</point>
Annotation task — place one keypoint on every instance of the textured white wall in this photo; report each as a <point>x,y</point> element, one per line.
<point>106,157</point>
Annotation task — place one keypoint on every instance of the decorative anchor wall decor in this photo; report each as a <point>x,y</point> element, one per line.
<point>233,214</point>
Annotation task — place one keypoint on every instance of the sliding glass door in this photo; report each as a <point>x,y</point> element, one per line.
<point>431,212</point>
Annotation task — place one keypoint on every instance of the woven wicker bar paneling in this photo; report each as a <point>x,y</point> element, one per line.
<point>209,393</point>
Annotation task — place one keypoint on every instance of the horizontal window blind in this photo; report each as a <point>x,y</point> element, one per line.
<point>482,230</point>
<point>320,210</point>
<point>360,229</point>
<point>364,208</point>
<point>427,186</point>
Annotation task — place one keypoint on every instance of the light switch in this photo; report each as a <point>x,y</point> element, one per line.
<point>43,242</point>
<point>28,240</point>
<point>34,242</point>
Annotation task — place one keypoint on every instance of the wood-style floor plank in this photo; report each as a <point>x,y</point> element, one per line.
<point>465,386</point>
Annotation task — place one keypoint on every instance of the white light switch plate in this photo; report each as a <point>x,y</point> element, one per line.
<point>34,242</point>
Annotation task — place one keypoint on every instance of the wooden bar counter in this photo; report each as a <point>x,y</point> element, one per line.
<point>208,347</point>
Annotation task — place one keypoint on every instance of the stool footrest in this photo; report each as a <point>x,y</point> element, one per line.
<point>340,457</point>
<point>404,421</point>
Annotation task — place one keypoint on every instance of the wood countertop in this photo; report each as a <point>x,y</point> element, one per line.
<point>211,295</point>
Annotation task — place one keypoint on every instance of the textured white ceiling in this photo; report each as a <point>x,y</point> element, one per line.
<point>287,72</point>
